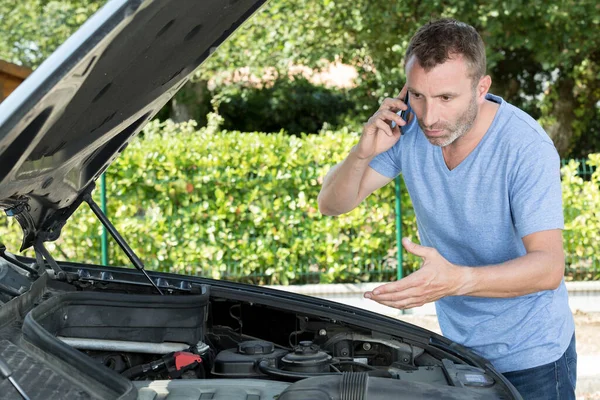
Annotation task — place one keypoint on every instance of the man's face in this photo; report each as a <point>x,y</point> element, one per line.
<point>444,99</point>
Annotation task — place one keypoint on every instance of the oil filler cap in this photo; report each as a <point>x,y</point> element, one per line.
<point>252,347</point>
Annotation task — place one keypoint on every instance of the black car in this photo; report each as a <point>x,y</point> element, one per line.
<point>79,331</point>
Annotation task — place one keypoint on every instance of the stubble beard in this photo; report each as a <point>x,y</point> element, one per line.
<point>462,125</point>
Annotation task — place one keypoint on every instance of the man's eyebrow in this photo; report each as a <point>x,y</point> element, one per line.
<point>445,94</point>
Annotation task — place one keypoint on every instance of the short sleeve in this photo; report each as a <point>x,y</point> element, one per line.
<point>535,192</point>
<point>388,162</point>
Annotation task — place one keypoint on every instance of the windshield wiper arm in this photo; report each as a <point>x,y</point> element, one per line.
<point>117,236</point>
<point>6,374</point>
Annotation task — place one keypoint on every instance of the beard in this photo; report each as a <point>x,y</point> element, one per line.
<point>455,130</point>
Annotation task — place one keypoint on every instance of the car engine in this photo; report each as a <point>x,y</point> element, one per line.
<point>217,340</point>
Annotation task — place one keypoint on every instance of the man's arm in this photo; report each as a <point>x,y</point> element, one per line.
<point>542,268</point>
<point>347,184</point>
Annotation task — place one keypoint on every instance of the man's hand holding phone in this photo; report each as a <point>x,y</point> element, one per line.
<point>382,130</point>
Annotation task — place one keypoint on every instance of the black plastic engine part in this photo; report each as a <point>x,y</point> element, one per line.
<point>256,347</point>
<point>117,316</point>
<point>243,360</point>
<point>360,386</point>
<point>466,375</point>
<point>113,316</point>
<point>12,283</point>
<point>291,376</point>
<point>307,357</point>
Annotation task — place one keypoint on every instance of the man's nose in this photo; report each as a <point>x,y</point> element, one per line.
<point>430,115</point>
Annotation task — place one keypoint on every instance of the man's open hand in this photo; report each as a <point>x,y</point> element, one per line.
<point>435,279</point>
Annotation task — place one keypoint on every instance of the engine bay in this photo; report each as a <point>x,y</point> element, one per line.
<point>227,341</point>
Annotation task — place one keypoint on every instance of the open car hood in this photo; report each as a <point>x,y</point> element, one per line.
<point>69,120</point>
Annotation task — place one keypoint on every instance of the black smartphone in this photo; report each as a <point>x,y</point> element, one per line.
<point>402,113</point>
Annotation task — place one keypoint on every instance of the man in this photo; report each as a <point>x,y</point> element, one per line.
<point>484,179</point>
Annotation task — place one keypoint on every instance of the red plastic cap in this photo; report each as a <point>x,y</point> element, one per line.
<point>183,359</point>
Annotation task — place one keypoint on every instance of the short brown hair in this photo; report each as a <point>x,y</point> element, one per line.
<point>436,42</point>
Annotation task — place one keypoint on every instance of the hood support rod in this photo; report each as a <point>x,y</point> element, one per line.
<point>42,256</point>
<point>119,239</point>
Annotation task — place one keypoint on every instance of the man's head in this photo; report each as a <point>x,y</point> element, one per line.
<point>438,41</point>
<point>445,69</point>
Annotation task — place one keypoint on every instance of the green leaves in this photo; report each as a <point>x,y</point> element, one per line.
<point>295,105</point>
<point>581,202</point>
<point>532,50</point>
<point>31,30</point>
<point>242,206</point>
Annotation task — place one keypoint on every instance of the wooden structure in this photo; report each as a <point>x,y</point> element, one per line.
<point>11,76</point>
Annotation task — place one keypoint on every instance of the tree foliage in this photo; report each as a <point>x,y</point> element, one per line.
<point>543,55</point>
<point>32,29</point>
<point>295,105</point>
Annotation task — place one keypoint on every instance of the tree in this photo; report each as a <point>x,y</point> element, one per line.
<point>543,56</point>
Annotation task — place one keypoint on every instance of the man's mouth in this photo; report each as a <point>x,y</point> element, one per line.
<point>433,132</point>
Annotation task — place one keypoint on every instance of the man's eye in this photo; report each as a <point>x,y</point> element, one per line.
<point>415,95</point>
<point>446,98</point>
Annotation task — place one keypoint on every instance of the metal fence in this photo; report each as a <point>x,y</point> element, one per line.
<point>382,267</point>
<point>584,169</point>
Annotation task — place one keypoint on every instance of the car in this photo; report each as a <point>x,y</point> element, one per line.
<point>79,331</point>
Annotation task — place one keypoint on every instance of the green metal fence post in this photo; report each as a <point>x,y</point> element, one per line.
<point>103,206</point>
<point>398,227</point>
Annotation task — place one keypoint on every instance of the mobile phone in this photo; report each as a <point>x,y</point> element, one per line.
<point>402,113</point>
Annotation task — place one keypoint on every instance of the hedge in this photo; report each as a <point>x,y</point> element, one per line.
<point>242,206</point>
<point>293,104</point>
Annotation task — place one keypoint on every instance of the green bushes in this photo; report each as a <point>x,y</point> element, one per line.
<point>296,106</point>
<point>581,203</point>
<point>243,206</point>
<point>291,104</point>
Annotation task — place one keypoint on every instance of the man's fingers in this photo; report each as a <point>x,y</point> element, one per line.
<point>416,249</point>
<point>402,305</point>
<point>393,104</point>
<point>384,127</point>
<point>396,103</point>
<point>393,287</point>
<point>399,295</point>
<point>392,116</point>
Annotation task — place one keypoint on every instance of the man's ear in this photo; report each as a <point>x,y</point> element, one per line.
<point>483,87</point>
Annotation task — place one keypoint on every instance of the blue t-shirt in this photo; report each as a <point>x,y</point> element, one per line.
<point>477,214</point>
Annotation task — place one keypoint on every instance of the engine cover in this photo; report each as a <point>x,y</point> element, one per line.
<point>360,386</point>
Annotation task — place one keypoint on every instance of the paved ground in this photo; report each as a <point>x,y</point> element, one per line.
<point>587,332</point>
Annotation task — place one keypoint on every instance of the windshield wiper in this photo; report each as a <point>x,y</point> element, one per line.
<point>6,374</point>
